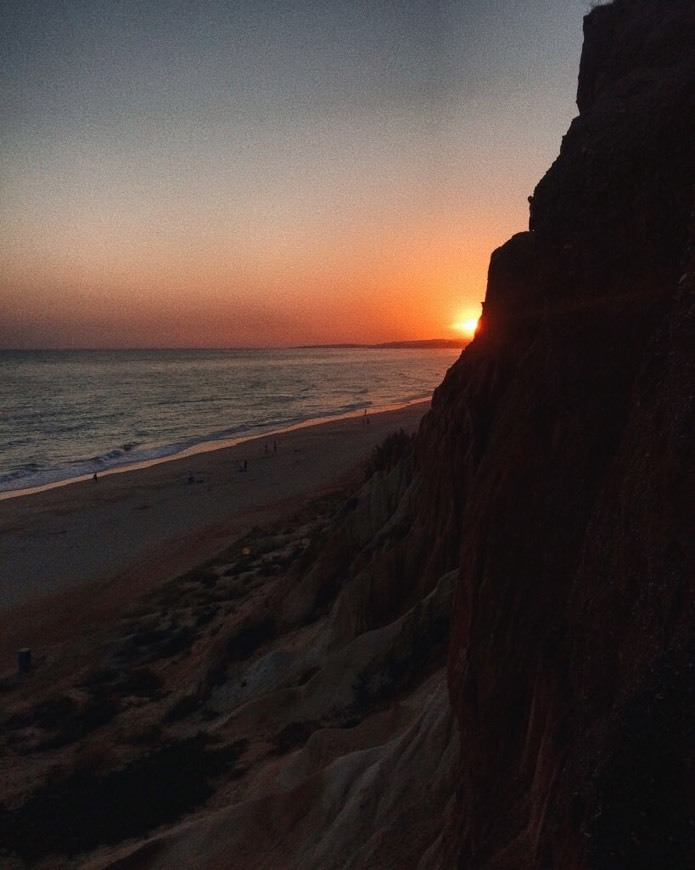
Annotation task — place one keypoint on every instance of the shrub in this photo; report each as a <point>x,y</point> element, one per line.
<point>385,456</point>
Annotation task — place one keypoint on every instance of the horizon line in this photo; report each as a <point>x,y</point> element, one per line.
<point>444,342</point>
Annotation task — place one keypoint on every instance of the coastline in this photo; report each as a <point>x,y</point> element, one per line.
<point>84,551</point>
<point>209,444</point>
<point>71,414</point>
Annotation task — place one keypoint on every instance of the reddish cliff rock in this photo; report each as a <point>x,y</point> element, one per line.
<point>565,469</point>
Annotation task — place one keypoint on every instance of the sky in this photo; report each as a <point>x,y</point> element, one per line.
<point>220,173</point>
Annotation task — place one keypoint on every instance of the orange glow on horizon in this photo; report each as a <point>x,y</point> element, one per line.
<point>263,180</point>
<point>366,293</point>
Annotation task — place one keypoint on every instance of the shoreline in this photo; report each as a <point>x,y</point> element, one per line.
<point>207,446</point>
<point>77,556</point>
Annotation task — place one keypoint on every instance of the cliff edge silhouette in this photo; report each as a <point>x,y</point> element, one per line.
<point>565,434</point>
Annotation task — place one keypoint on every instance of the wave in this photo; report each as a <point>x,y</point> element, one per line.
<point>32,475</point>
<point>102,426</point>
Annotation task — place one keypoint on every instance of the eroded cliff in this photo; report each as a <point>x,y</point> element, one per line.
<point>568,430</point>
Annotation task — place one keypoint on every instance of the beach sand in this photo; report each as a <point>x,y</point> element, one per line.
<point>80,554</point>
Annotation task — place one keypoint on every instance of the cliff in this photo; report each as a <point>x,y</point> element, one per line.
<point>565,436</point>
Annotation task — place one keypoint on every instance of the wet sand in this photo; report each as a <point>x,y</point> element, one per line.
<point>81,552</point>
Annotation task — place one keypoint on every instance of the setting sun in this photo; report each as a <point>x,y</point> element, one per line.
<point>467,327</point>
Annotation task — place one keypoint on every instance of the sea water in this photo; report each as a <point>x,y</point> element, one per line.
<point>64,414</point>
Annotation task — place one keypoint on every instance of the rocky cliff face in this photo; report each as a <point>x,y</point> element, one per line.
<point>565,470</point>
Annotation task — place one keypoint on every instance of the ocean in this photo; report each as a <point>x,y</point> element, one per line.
<point>66,414</point>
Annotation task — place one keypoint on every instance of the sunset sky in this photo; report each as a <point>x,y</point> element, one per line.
<point>268,172</point>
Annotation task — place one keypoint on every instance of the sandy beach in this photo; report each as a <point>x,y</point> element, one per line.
<point>194,654</point>
<point>83,551</point>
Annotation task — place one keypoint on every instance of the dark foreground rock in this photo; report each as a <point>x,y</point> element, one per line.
<point>568,427</point>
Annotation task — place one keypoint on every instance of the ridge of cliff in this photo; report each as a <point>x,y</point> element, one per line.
<point>564,468</point>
